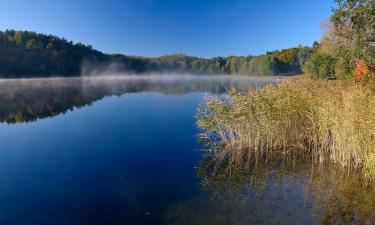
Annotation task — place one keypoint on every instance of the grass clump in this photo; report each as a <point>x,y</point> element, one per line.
<point>323,119</point>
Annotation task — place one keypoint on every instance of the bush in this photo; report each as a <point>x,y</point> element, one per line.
<point>321,66</point>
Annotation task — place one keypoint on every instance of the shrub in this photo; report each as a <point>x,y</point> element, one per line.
<point>321,66</point>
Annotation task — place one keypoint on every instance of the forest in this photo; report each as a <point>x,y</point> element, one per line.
<point>30,54</point>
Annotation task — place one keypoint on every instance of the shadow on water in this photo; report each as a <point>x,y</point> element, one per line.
<point>279,190</point>
<point>27,100</point>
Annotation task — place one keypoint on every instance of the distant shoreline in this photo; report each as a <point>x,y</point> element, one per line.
<point>159,76</point>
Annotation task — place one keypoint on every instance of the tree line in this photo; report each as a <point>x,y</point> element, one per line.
<point>30,54</point>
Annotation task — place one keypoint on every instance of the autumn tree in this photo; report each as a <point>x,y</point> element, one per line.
<point>354,22</point>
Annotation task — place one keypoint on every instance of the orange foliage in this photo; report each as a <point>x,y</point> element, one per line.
<point>363,71</point>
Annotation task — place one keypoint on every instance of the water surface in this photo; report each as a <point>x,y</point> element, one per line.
<point>124,150</point>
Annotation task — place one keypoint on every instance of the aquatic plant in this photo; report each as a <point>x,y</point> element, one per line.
<point>323,119</point>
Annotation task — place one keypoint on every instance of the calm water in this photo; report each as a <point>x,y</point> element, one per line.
<point>125,151</point>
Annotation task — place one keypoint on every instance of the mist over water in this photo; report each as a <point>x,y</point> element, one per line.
<point>23,100</point>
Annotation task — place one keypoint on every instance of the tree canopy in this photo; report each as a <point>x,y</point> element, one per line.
<point>349,39</point>
<point>30,54</point>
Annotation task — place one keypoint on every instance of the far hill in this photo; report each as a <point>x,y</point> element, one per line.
<point>30,54</point>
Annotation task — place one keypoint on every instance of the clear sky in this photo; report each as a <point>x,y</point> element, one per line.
<point>158,27</point>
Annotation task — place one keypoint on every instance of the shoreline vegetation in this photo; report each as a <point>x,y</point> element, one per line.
<point>328,114</point>
<point>327,120</point>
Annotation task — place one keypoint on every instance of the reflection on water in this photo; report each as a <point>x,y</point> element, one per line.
<point>281,190</point>
<point>32,99</point>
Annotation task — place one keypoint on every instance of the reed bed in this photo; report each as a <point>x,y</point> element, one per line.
<point>332,120</point>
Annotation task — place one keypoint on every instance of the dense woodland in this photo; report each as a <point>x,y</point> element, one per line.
<point>28,54</point>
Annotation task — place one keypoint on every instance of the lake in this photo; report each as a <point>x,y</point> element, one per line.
<point>125,150</point>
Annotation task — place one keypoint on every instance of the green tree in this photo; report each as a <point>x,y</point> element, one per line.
<point>354,22</point>
<point>321,66</point>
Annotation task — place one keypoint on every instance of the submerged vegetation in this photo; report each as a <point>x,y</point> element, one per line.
<point>332,120</point>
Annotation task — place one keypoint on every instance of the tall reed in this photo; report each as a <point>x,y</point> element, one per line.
<point>322,119</point>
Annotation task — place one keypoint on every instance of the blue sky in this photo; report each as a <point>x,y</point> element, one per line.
<point>158,27</point>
